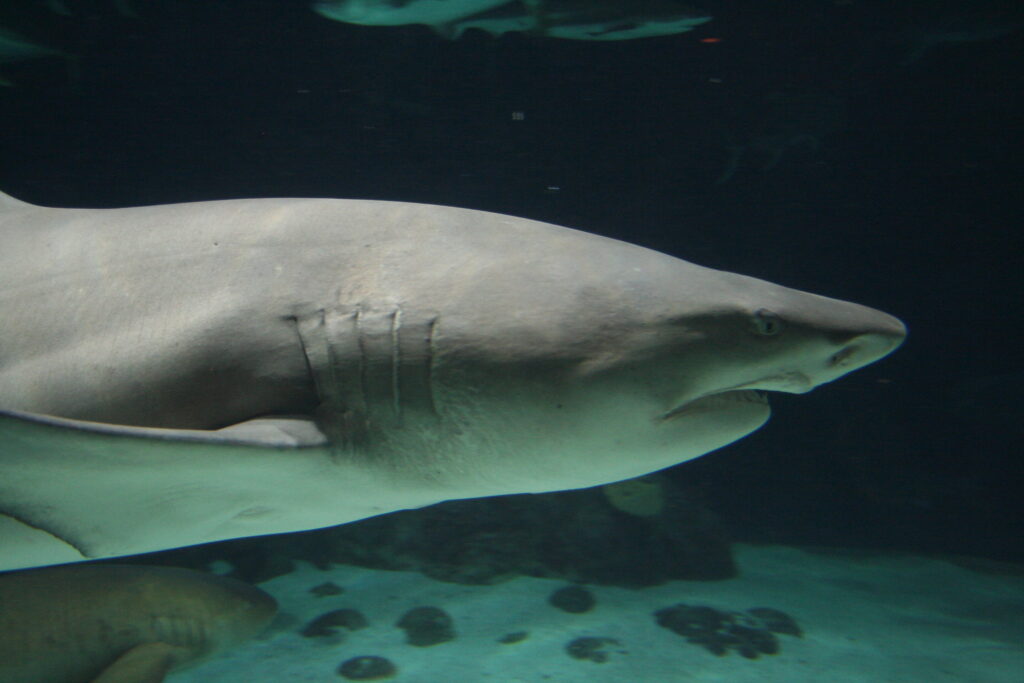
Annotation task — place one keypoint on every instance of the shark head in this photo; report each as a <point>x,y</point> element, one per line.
<point>231,612</point>
<point>566,360</point>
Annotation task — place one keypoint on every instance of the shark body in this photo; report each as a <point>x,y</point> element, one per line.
<point>178,374</point>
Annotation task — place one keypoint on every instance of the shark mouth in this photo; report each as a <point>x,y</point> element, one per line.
<point>718,400</point>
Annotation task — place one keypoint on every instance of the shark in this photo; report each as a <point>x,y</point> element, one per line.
<point>402,12</point>
<point>566,19</point>
<point>120,623</point>
<point>178,374</point>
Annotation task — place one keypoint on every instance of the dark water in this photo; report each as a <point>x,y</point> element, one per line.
<point>863,150</point>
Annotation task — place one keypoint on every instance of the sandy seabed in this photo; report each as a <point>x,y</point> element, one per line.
<point>880,618</point>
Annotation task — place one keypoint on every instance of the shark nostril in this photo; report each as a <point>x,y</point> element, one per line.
<point>840,357</point>
<point>863,349</point>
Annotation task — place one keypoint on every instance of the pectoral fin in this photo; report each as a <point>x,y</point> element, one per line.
<point>72,490</point>
<point>147,663</point>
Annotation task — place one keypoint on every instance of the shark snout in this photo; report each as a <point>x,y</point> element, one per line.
<point>890,327</point>
<point>864,349</point>
<point>875,336</point>
<point>852,352</point>
<point>833,355</point>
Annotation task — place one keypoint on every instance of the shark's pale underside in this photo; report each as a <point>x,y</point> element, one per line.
<point>172,375</point>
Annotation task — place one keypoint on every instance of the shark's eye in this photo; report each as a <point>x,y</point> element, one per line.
<point>767,323</point>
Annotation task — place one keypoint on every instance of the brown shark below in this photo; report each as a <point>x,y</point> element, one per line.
<point>120,623</point>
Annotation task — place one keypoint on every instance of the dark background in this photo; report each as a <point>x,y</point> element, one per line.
<point>863,150</point>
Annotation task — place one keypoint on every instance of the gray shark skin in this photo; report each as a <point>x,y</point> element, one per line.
<point>120,624</point>
<point>173,375</point>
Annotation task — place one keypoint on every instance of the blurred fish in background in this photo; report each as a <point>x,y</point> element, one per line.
<point>920,42</point>
<point>567,19</point>
<point>15,48</point>
<point>786,125</point>
<point>69,8</point>
<point>434,13</point>
<point>915,33</point>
